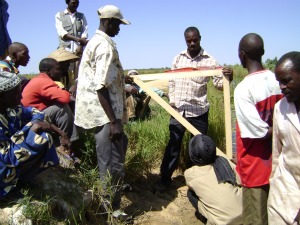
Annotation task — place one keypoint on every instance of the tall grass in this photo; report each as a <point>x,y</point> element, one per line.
<point>147,141</point>
<point>148,138</point>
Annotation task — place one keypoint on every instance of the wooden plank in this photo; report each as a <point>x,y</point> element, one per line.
<point>169,109</point>
<point>172,75</point>
<point>227,111</point>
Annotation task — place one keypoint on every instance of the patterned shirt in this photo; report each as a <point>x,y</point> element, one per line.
<point>100,67</point>
<point>19,144</point>
<point>190,94</point>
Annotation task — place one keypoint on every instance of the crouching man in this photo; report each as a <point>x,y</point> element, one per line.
<point>213,188</point>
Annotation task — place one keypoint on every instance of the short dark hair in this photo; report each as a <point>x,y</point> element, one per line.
<point>253,45</point>
<point>295,59</point>
<point>46,64</point>
<point>189,29</point>
<point>68,1</point>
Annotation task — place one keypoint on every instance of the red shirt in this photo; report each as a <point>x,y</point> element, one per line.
<point>42,92</point>
<point>255,98</point>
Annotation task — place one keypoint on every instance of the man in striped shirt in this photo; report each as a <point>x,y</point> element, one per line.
<point>189,97</point>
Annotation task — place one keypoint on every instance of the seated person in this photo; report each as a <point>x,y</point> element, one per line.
<point>26,147</point>
<point>137,99</point>
<point>65,58</point>
<point>213,187</point>
<point>45,95</point>
<point>18,55</point>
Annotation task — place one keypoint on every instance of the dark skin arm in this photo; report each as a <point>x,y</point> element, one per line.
<point>42,126</point>
<point>269,133</point>
<point>81,41</point>
<point>116,128</point>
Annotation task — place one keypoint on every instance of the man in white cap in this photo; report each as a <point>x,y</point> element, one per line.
<point>137,100</point>
<point>100,100</point>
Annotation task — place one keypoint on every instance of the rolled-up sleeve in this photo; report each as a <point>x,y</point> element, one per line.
<point>59,26</point>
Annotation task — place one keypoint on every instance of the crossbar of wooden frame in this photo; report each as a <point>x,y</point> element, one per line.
<point>139,80</point>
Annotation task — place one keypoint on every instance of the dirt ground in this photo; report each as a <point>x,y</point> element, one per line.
<point>170,207</point>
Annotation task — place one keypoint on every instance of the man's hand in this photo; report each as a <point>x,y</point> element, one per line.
<point>228,72</point>
<point>116,130</point>
<point>173,105</point>
<point>72,91</point>
<point>65,142</point>
<point>131,90</point>
<point>83,41</point>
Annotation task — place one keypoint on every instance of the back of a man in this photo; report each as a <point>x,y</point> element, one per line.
<point>254,99</point>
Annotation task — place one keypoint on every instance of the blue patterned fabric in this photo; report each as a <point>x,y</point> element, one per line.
<point>5,40</point>
<point>19,145</point>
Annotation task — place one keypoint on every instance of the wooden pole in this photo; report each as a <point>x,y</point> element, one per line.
<point>227,111</point>
<point>169,109</point>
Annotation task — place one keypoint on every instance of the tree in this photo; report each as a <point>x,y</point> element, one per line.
<point>270,63</point>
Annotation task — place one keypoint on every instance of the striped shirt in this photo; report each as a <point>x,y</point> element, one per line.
<point>189,95</point>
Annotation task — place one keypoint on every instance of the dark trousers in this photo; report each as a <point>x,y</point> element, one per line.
<point>172,152</point>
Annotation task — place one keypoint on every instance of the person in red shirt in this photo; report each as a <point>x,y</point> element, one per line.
<point>44,94</point>
<point>254,100</point>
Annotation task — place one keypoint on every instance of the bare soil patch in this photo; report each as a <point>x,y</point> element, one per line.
<point>170,207</point>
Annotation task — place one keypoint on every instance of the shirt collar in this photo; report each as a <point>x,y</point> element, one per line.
<point>12,64</point>
<point>201,53</point>
<point>106,37</point>
<point>67,12</point>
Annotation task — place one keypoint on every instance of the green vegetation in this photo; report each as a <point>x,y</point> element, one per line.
<point>147,142</point>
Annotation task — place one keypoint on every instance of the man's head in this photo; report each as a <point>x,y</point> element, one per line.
<point>202,150</point>
<point>72,5</point>
<point>287,71</point>
<point>192,39</point>
<point>19,54</point>
<point>10,90</point>
<point>110,20</point>
<point>52,68</point>
<point>251,47</point>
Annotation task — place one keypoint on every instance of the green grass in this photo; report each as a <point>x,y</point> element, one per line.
<point>147,141</point>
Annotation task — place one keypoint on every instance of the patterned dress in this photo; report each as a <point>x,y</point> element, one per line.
<point>19,145</point>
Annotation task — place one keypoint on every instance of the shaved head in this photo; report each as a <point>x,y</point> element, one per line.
<point>16,47</point>
<point>252,45</point>
<point>19,54</point>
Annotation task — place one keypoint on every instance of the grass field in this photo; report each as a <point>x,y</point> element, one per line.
<point>147,141</point>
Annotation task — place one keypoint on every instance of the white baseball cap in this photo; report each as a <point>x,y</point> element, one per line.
<point>111,11</point>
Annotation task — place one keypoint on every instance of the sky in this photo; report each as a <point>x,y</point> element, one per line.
<point>155,35</point>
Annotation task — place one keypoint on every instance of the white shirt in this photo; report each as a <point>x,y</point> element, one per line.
<point>62,32</point>
<point>100,67</point>
<point>284,195</point>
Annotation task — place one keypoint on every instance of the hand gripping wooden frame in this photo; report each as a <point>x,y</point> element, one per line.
<point>139,80</point>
